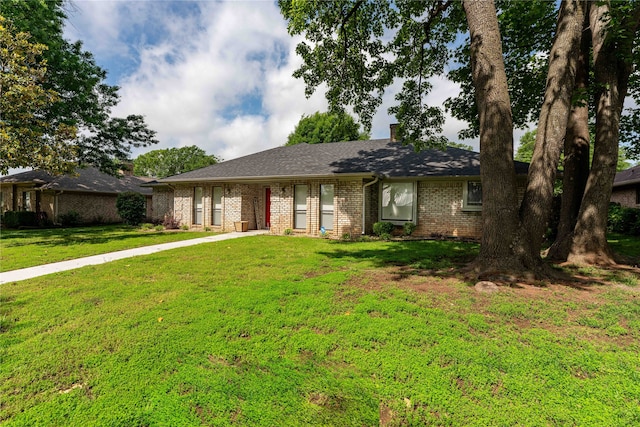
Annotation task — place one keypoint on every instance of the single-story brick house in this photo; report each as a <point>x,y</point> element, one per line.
<point>341,187</point>
<point>90,192</point>
<point>626,188</point>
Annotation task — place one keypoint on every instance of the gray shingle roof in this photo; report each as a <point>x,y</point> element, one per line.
<point>376,157</point>
<point>627,177</point>
<point>88,180</point>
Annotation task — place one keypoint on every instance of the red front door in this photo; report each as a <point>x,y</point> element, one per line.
<point>267,207</point>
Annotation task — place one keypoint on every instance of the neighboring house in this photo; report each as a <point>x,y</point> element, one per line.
<point>91,193</point>
<point>626,188</point>
<point>341,187</point>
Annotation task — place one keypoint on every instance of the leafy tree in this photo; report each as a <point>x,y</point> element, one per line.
<point>82,100</point>
<point>326,127</point>
<point>357,48</point>
<point>172,161</point>
<point>131,207</point>
<point>22,100</point>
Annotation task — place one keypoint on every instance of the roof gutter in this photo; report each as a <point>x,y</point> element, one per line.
<point>364,201</point>
<point>264,178</point>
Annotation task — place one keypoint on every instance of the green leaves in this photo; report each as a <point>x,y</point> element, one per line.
<point>325,127</point>
<point>172,161</point>
<point>73,108</point>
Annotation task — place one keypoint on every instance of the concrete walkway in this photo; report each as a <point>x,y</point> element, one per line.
<point>56,267</point>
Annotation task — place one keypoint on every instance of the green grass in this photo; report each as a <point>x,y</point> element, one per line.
<point>28,248</point>
<point>294,331</point>
<point>627,245</point>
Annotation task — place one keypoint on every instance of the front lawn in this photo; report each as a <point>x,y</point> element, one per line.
<point>292,331</point>
<point>28,248</point>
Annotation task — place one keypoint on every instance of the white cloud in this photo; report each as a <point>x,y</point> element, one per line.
<point>213,74</point>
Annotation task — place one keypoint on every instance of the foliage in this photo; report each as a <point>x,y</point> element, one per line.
<point>172,161</point>
<point>408,228</point>
<point>28,139</point>
<point>170,223</point>
<point>623,220</point>
<point>15,219</point>
<point>326,127</point>
<point>61,244</point>
<point>75,125</point>
<point>288,232</point>
<point>382,227</point>
<point>528,141</point>
<point>70,219</point>
<point>132,207</point>
<point>313,332</point>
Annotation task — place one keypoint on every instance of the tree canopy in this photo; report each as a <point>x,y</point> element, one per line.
<point>80,102</point>
<point>172,161</point>
<point>557,63</point>
<point>320,127</point>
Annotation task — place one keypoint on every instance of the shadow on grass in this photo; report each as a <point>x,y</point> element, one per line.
<point>71,236</point>
<point>417,254</point>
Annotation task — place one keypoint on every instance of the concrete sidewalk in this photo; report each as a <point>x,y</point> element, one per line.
<point>56,267</point>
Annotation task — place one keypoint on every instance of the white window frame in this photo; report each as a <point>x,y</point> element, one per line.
<point>324,209</point>
<point>414,207</point>
<point>466,206</point>
<point>216,208</point>
<point>296,204</point>
<point>198,208</point>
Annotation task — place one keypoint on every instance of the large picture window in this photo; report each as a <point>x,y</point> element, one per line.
<point>326,206</point>
<point>300,206</point>
<point>197,206</point>
<point>216,206</point>
<point>398,201</point>
<point>472,196</point>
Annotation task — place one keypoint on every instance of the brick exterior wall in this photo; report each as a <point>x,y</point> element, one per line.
<point>162,203</point>
<point>626,196</point>
<point>92,207</point>
<point>440,210</point>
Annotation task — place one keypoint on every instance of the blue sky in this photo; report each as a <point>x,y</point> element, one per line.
<point>213,74</point>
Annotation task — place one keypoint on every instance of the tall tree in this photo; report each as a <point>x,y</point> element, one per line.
<point>84,101</point>
<point>320,127</point>
<point>22,100</point>
<point>172,161</point>
<point>358,47</point>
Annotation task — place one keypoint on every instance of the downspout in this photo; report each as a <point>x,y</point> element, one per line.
<point>364,201</point>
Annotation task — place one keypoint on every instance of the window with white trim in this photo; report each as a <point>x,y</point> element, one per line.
<point>326,206</point>
<point>398,201</point>
<point>216,206</point>
<point>472,196</point>
<point>300,206</point>
<point>197,205</point>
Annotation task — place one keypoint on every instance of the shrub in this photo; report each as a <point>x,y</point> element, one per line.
<point>623,220</point>
<point>159,227</point>
<point>408,228</point>
<point>184,227</point>
<point>380,228</point>
<point>385,236</point>
<point>70,219</point>
<point>346,237</point>
<point>288,232</point>
<point>170,223</point>
<point>15,219</point>
<point>132,207</point>
<point>146,226</point>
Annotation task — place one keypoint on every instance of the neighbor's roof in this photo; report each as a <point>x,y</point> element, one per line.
<point>88,180</point>
<point>354,158</point>
<point>627,177</point>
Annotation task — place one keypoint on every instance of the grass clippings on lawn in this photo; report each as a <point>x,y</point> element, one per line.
<point>296,331</point>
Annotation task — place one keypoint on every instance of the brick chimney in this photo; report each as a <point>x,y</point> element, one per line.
<point>393,128</point>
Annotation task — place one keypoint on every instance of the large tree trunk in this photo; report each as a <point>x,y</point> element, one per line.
<point>499,192</point>
<point>552,124</point>
<point>576,154</point>
<point>611,77</point>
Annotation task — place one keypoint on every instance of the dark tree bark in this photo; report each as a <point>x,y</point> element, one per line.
<point>611,73</point>
<point>552,124</point>
<point>499,208</point>
<point>576,154</point>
